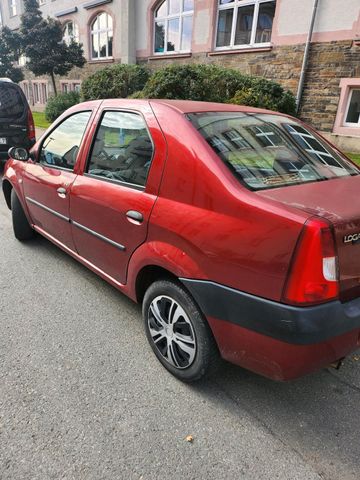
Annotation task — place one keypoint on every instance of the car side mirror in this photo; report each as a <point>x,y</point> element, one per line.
<point>18,153</point>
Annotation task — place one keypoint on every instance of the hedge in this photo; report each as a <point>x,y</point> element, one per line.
<point>214,83</point>
<point>116,81</point>
<point>58,104</point>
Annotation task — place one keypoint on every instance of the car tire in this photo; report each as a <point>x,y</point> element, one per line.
<point>21,226</point>
<point>178,332</point>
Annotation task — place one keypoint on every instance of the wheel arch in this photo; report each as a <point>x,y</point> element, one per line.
<point>148,275</point>
<point>155,260</point>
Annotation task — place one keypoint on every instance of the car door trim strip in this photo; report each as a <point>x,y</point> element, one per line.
<point>98,235</point>
<point>50,210</point>
<point>76,224</point>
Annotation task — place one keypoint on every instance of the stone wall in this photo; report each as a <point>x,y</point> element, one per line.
<point>329,62</point>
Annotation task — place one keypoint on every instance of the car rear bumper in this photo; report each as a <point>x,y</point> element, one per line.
<point>274,339</point>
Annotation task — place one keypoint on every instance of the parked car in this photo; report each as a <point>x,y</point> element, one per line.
<point>238,229</point>
<point>16,121</point>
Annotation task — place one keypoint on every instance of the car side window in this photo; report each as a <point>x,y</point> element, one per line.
<point>122,149</point>
<point>61,146</point>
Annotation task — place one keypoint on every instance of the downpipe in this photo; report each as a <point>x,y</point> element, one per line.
<point>306,57</point>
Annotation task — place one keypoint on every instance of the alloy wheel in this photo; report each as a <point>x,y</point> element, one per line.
<point>172,332</point>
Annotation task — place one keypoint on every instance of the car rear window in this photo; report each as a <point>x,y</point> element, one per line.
<point>11,102</point>
<point>267,151</point>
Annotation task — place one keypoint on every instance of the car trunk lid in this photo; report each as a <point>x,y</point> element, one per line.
<point>337,200</point>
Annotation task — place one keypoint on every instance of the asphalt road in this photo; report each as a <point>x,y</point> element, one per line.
<point>83,397</point>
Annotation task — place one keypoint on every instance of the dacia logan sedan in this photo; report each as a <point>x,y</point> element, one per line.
<point>238,229</point>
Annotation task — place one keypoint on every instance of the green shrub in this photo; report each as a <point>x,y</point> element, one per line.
<point>117,81</point>
<point>262,93</point>
<point>57,105</point>
<point>193,82</point>
<point>214,83</point>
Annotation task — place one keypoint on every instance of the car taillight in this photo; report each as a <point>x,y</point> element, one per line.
<point>31,128</point>
<point>313,276</point>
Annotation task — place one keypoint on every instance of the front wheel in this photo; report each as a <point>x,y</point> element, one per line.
<point>177,331</point>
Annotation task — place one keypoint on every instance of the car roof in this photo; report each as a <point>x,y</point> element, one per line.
<point>180,106</point>
<point>190,106</point>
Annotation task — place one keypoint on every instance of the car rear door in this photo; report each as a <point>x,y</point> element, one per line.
<point>47,180</point>
<point>111,201</point>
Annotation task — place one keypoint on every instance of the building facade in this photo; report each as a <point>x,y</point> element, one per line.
<point>258,37</point>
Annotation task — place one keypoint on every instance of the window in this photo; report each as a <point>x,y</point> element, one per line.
<point>268,151</point>
<point>61,146</point>
<point>22,61</point>
<point>102,37</point>
<point>70,86</point>
<point>353,109</point>
<point>173,22</point>
<point>122,150</point>
<point>11,102</point>
<point>243,23</point>
<point>40,90</point>
<point>42,2</point>
<point>71,33</point>
<point>12,8</point>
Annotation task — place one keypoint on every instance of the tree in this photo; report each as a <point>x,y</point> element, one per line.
<point>9,54</point>
<point>43,45</point>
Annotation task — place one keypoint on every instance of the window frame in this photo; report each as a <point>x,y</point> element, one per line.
<point>165,19</point>
<point>13,8</point>
<point>350,94</point>
<point>93,32</point>
<point>71,85</point>
<point>39,88</point>
<point>235,5</point>
<point>57,167</point>
<point>67,38</point>
<point>122,183</point>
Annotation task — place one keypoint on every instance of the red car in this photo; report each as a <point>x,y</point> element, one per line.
<point>238,229</point>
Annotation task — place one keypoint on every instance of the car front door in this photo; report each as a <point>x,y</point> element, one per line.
<point>48,180</point>
<point>112,201</point>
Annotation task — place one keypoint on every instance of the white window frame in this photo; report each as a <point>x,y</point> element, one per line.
<point>165,19</point>
<point>66,36</point>
<point>13,8</point>
<point>351,124</point>
<point>42,2</point>
<point>235,5</point>
<point>98,32</point>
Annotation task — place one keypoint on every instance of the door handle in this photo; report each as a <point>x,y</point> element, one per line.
<point>135,217</point>
<point>62,192</point>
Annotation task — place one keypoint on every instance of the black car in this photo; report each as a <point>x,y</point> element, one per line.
<point>16,121</point>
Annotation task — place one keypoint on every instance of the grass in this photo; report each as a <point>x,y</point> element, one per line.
<point>355,157</point>
<point>40,121</point>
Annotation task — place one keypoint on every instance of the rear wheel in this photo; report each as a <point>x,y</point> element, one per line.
<point>177,331</point>
<point>21,226</point>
